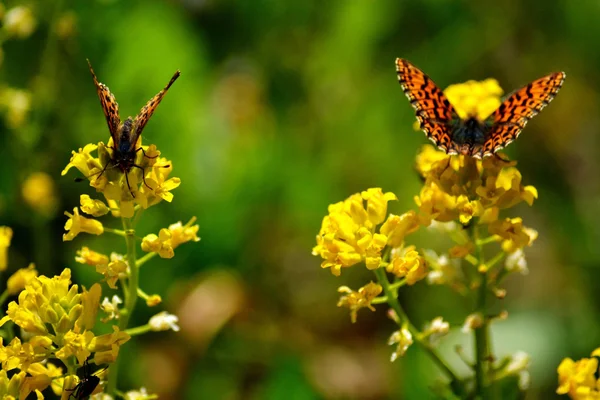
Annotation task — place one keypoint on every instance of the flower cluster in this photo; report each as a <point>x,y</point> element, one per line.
<point>462,198</point>
<point>142,186</point>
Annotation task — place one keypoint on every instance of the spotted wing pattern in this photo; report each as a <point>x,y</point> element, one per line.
<point>109,106</point>
<point>146,112</point>
<point>434,112</point>
<point>522,105</point>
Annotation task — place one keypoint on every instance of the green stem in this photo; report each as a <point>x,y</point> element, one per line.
<point>405,322</point>
<point>131,295</point>
<point>138,330</point>
<point>145,258</point>
<point>482,347</point>
<point>489,239</point>
<point>3,298</point>
<point>117,232</point>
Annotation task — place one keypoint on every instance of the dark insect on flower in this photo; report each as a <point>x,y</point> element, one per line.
<point>87,384</point>
<point>125,134</point>
<point>472,137</point>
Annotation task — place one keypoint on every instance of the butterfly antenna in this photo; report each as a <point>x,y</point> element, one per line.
<point>173,79</point>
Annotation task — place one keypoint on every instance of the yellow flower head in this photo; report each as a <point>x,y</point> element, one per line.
<point>347,234</point>
<point>396,228</point>
<point>51,307</point>
<point>22,355</point>
<point>113,270</point>
<point>5,238</point>
<point>106,347</point>
<point>409,264</point>
<point>39,193</point>
<point>169,239</point>
<point>578,378</point>
<point>76,344</point>
<point>146,184</point>
<point>77,224</point>
<point>355,300</point>
<point>12,389</point>
<point>90,257</point>
<point>96,208</point>
<point>475,99</point>
<point>515,236</point>
<point>48,374</point>
<point>19,279</point>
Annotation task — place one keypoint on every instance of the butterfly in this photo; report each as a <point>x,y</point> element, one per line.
<point>125,134</point>
<point>471,136</point>
<point>87,384</point>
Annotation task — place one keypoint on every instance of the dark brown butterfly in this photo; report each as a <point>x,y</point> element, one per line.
<point>125,134</point>
<point>470,136</point>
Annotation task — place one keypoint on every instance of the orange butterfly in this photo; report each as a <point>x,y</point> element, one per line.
<point>470,136</point>
<point>125,134</point>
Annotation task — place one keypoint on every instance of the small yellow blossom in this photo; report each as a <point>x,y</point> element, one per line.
<point>578,378</point>
<point>515,236</point>
<point>346,236</point>
<point>355,300</point>
<point>20,22</point>
<point>93,207</point>
<point>5,237</point>
<point>468,209</point>
<point>12,389</point>
<point>403,338</point>
<point>76,344</point>
<point>17,104</point>
<point>475,99</point>
<point>408,264</point>
<point>153,300</point>
<point>113,270</point>
<point>22,355</point>
<point>39,193</point>
<point>430,158</point>
<point>435,204</point>
<point>396,228</point>
<point>84,162</point>
<point>106,347</point>
<point>77,224</point>
<point>18,280</point>
<point>48,373</point>
<point>90,257</point>
<point>461,250</point>
<point>169,239</point>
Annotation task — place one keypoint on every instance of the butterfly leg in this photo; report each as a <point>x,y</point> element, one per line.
<point>147,156</point>
<point>143,176</point>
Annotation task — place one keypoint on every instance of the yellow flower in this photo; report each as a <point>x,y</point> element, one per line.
<point>346,236</point>
<point>461,250</point>
<point>5,238</point>
<point>76,344</point>
<point>22,355</point>
<point>48,371</point>
<point>515,236</point>
<point>429,159</point>
<point>359,299</point>
<point>111,271</point>
<point>403,338</point>
<point>435,204</point>
<point>153,300</point>
<point>468,209</point>
<point>169,239</point>
<point>397,227</point>
<point>408,264</point>
<point>475,99</point>
<point>38,192</point>
<point>12,389</point>
<point>106,347</point>
<point>90,257</point>
<point>84,162</point>
<point>52,303</point>
<point>578,378</point>
<point>77,224</point>
<point>96,208</point>
<point>19,279</point>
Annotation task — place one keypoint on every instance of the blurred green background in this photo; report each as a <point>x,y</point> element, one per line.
<point>282,108</point>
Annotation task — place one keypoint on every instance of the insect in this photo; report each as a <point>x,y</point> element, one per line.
<point>471,136</point>
<point>87,384</point>
<point>125,134</point>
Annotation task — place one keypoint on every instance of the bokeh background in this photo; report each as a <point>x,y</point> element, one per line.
<point>282,108</point>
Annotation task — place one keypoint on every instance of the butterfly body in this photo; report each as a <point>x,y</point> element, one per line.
<point>125,134</point>
<point>471,136</point>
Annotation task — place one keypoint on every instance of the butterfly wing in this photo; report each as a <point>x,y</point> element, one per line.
<point>109,106</point>
<point>146,112</point>
<point>434,112</point>
<point>519,107</point>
